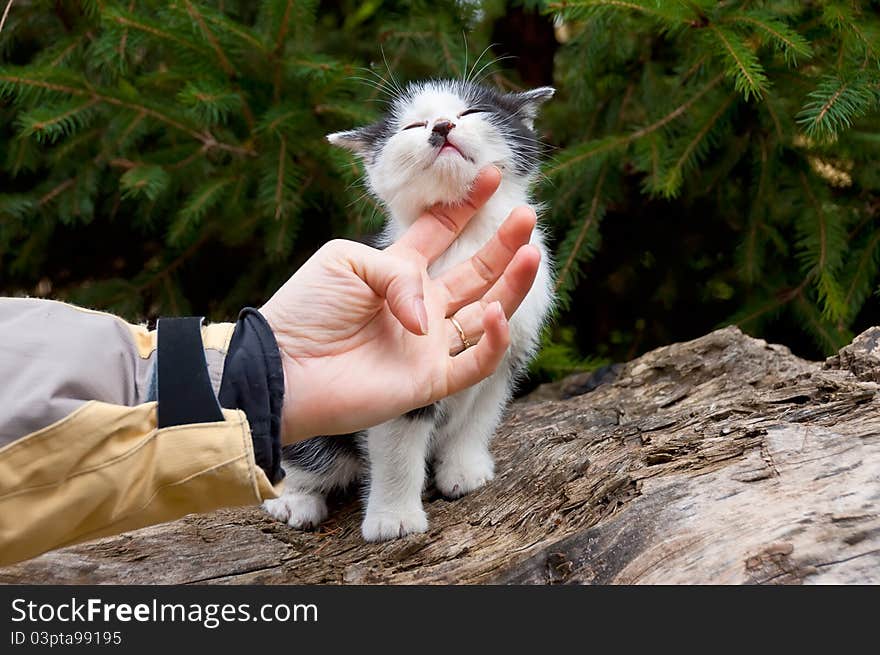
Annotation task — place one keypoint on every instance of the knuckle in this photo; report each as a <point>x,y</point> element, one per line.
<point>483,268</point>
<point>335,246</point>
<point>444,219</point>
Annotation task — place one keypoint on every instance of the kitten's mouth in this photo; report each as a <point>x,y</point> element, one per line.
<point>449,148</point>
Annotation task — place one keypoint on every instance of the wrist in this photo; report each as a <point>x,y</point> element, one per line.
<point>295,420</point>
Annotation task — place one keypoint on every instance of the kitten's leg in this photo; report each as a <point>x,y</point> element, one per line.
<point>313,468</point>
<point>462,461</point>
<point>397,451</point>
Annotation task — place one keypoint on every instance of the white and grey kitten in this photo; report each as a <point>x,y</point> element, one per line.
<point>428,149</point>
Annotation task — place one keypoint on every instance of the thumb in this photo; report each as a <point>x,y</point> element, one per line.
<point>399,281</point>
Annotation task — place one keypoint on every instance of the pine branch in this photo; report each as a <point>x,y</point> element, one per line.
<point>843,19</point>
<point>822,242</point>
<point>781,298</point>
<point>656,10</point>
<point>279,187</point>
<point>156,31</point>
<point>205,137</point>
<point>862,277</point>
<point>282,29</point>
<point>148,181</point>
<point>5,14</point>
<point>209,102</point>
<point>61,56</point>
<point>565,272</point>
<point>774,116</point>
<point>46,198</point>
<point>207,196</point>
<point>835,104</point>
<point>48,126</point>
<point>558,355</point>
<point>608,144</point>
<point>828,337</point>
<point>688,156</point>
<point>124,40</point>
<point>15,206</point>
<point>243,33</point>
<point>749,249</point>
<point>224,61</point>
<point>212,40</point>
<point>174,264</point>
<point>277,51</point>
<point>742,64</point>
<point>790,42</point>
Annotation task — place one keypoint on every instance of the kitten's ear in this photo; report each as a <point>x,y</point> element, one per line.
<point>354,140</point>
<point>529,102</point>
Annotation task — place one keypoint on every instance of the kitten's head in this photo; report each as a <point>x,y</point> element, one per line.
<point>437,135</point>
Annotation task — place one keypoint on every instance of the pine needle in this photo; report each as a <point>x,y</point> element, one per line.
<point>5,14</point>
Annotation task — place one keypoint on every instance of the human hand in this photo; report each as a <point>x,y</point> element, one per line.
<point>364,334</point>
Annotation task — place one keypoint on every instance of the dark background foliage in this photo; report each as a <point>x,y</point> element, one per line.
<point>709,162</point>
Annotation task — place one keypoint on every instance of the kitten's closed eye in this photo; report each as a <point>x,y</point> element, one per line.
<point>419,124</point>
<point>475,110</point>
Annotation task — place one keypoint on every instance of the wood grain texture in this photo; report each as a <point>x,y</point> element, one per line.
<point>720,460</point>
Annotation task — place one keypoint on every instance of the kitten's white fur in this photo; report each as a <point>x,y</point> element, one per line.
<point>408,176</point>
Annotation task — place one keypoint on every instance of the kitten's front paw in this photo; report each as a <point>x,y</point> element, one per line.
<point>386,525</point>
<point>297,509</point>
<point>456,480</point>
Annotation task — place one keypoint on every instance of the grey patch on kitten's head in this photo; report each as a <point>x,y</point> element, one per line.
<point>522,106</point>
<point>363,140</point>
<point>481,124</point>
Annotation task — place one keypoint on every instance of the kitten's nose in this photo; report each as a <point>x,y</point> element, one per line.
<point>443,127</point>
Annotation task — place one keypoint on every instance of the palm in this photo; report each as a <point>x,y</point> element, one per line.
<point>351,345</point>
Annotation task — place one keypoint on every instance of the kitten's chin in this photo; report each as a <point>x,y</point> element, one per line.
<point>447,181</point>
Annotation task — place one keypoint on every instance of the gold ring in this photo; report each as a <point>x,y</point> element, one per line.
<point>464,340</point>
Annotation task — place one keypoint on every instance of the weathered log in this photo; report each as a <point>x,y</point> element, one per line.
<point>720,460</point>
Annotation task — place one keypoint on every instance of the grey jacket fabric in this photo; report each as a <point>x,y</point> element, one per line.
<point>54,357</point>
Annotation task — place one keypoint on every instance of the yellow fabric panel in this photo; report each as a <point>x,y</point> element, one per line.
<point>106,469</point>
<point>144,340</point>
<point>214,337</point>
<point>217,336</point>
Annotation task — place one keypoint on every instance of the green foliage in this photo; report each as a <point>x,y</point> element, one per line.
<point>763,113</point>
<point>164,157</point>
<point>836,102</point>
<point>147,181</point>
<point>190,134</point>
<point>559,356</point>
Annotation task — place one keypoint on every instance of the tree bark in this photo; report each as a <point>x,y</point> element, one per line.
<point>720,460</point>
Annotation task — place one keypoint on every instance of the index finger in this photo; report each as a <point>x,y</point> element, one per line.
<point>435,230</point>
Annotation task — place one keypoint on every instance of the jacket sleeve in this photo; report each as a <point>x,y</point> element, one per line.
<point>82,453</point>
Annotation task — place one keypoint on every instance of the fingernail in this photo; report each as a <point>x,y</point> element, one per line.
<point>498,170</point>
<point>421,314</point>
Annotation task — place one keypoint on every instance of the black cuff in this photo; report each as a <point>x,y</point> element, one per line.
<point>253,381</point>
<point>183,387</point>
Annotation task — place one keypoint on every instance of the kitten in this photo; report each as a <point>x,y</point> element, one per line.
<point>428,149</point>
